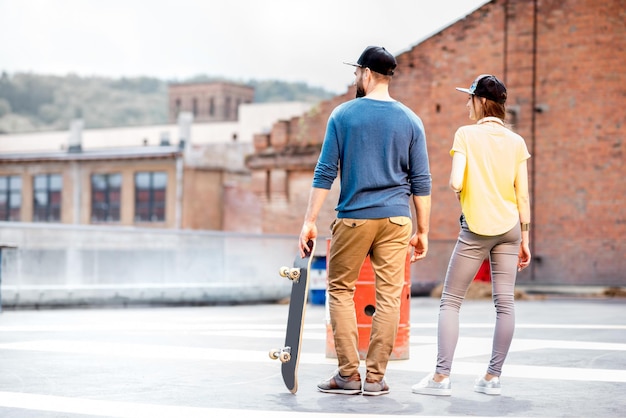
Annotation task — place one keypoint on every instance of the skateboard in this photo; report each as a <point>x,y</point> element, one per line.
<point>289,354</point>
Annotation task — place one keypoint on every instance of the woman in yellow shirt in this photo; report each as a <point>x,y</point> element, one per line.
<point>490,177</point>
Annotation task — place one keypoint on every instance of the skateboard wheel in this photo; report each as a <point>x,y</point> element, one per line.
<point>285,357</point>
<point>274,353</point>
<point>284,271</point>
<point>294,274</point>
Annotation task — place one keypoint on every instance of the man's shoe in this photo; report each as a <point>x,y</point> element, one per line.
<point>427,386</point>
<point>488,387</point>
<point>339,384</point>
<point>375,388</point>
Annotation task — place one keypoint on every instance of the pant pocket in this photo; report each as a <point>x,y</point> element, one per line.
<point>353,223</point>
<point>332,226</point>
<point>400,220</point>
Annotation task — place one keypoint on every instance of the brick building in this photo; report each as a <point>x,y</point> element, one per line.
<point>175,176</point>
<point>208,102</point>
<point>563,64</point>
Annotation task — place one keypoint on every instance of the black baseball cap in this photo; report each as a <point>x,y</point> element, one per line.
<point>487,86</point>
<point>376,58</point>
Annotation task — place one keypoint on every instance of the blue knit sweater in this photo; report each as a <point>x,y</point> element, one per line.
<point>380,149</point>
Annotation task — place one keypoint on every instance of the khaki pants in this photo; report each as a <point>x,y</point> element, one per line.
<point>386,241</point>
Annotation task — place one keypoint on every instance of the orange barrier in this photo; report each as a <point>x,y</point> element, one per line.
<point>365,307</point>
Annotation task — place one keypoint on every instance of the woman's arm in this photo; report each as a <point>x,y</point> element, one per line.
<point>523,206</point>
<point>457,174</point>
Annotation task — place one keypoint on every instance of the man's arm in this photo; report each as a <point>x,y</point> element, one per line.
<point>309,229</point>
<point>419,240</point>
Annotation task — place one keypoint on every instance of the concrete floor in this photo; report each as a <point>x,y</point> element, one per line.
<point>568,359</point>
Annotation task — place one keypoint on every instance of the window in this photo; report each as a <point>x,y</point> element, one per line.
<point>47,197</point>
<point>227,108</point>
<point>194,106</point>
<point>150,190</point>
<point>10,198</point>
<point>105,197</point>
<point>212,106</point>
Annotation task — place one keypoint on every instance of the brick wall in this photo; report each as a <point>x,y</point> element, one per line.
<point>579,171</point>
<point>205,209</point>
<point>568,100</point>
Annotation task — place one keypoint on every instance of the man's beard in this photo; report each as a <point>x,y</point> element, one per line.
<point>360,91</point>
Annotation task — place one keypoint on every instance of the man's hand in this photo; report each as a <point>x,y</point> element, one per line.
<point>309,232</point>
<point>419,242</point>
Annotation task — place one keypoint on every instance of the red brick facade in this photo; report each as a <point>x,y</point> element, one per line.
<point>563,64</point>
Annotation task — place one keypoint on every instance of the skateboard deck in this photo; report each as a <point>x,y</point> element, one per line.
<point>289,355</point>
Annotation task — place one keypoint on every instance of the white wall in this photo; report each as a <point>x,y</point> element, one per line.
<point>253,118</point>
<point>73,265</point>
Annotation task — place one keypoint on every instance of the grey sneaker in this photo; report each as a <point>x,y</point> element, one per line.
<point>488,387</point>
<point>339,384</point>
<point>427,386</point>
<point>375,388</point>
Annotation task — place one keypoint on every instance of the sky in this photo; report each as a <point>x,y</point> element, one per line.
<point>241,40</point>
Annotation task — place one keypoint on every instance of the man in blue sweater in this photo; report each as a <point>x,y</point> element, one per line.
<point>378,146</point>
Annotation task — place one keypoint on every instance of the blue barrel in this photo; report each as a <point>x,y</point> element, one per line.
<point>317,281</point>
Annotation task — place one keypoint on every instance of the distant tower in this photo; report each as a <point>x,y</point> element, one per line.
<point>75,140</point>
<point>208,102</point>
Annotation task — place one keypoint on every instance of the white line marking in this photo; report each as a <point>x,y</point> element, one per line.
<point>123,325</point>
<point>145,351</point>
<point>115,409</point>
<point>421,359</point>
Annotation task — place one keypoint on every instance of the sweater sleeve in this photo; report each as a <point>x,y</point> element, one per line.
<point>327,166</point>
<point>421,182</point>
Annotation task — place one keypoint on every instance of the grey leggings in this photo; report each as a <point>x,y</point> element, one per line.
<point>470,251</point>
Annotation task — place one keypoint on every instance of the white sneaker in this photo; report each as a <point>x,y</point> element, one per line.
<point>427,386</point>
<point>488,387</point>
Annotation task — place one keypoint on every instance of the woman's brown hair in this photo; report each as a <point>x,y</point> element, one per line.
<point>489,108</point>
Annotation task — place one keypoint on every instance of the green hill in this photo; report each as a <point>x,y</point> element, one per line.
<point>35,102</point>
